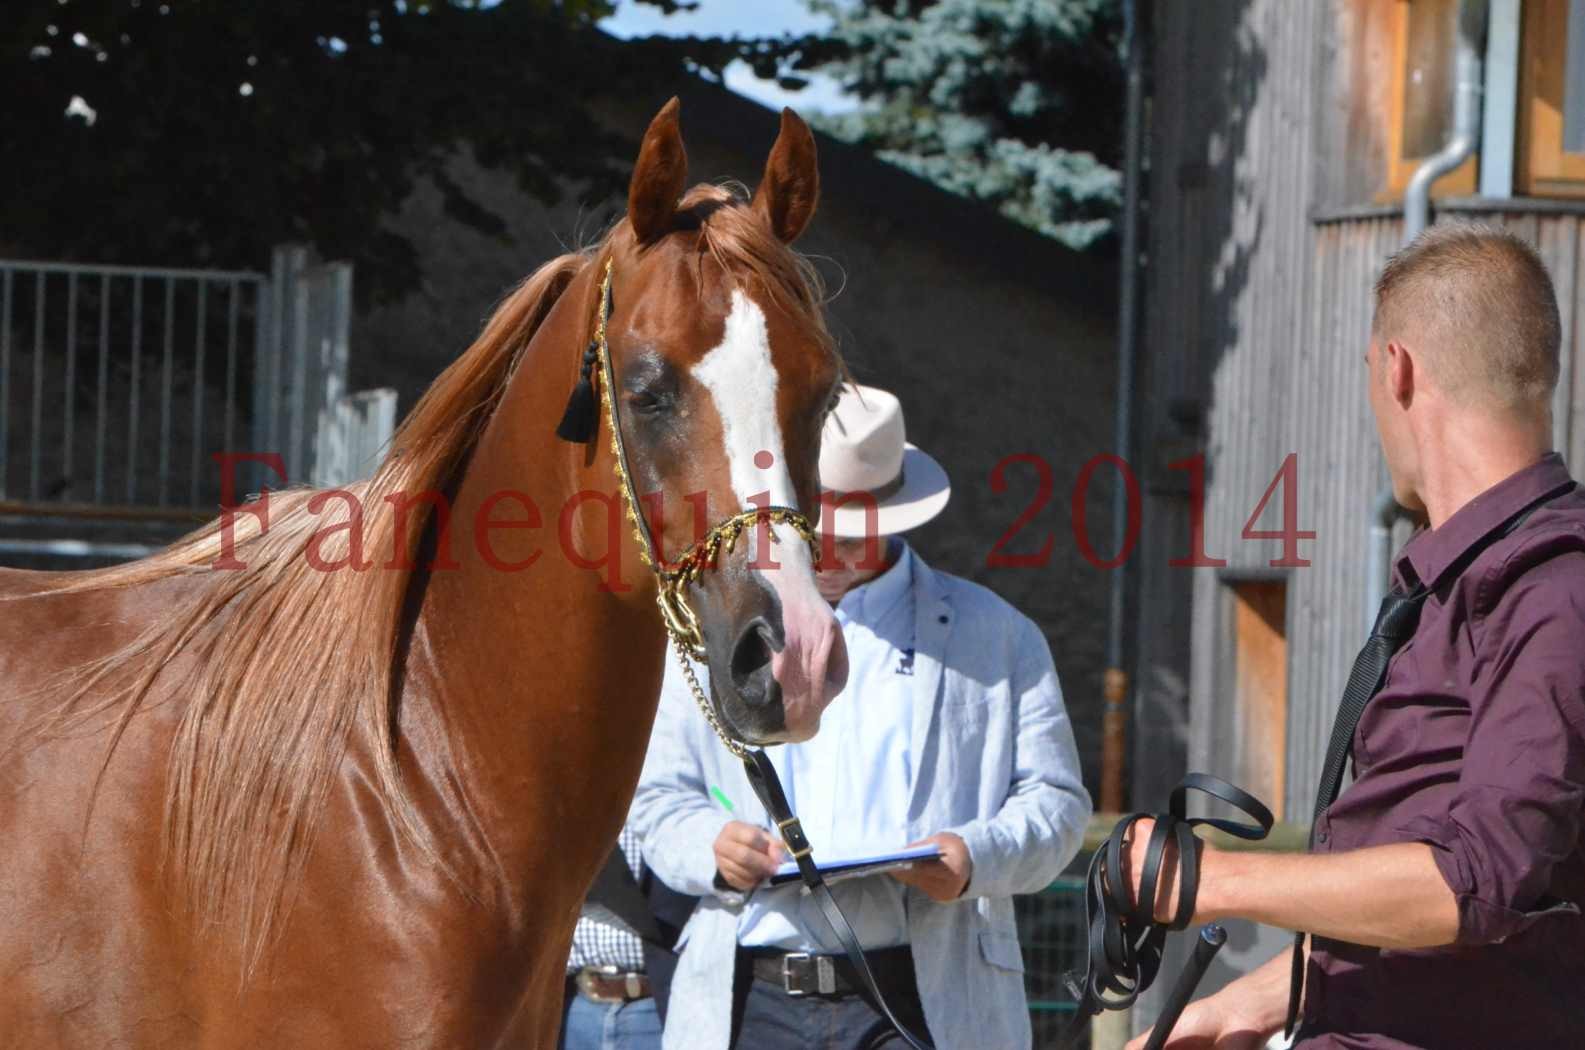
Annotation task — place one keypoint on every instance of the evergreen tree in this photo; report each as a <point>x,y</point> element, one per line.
<point>1013,102</point>
<point>196,132</point>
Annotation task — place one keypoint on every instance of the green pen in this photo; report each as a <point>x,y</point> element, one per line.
<point>720,796</point>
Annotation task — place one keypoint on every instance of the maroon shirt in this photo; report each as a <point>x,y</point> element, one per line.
<point>1476,746</point>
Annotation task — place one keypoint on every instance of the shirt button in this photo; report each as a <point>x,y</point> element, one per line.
<point>1321,837</point>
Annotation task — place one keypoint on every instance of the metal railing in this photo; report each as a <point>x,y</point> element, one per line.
<point>119,385</point>
<point>1053,935</point>
<point>116,382</point>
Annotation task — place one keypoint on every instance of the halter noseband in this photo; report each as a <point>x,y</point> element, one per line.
<point>682,623</point>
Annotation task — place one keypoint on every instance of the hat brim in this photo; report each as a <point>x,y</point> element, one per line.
<point>922,495</point>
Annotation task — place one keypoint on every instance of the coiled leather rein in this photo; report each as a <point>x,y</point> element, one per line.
<point>1126,940</point>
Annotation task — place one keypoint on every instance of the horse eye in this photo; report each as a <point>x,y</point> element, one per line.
<point>646,402</point>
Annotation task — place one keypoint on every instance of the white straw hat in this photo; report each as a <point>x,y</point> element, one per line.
<point>863,449</point>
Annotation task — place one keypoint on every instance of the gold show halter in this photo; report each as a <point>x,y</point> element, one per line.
<point>682,623</point>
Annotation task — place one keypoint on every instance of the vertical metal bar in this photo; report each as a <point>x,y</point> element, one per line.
<point>69,407</point>
<point>38,387</point>
<point>198,395</point>
<point>263,342</point>
<point>167,368</point>
<point>301,321</point>
<point>1114,723</point>
<point>101,421</point>
<point>1502,99</point>
<point>233,313</point>
<point>132,390</point>
<point>5,376</point>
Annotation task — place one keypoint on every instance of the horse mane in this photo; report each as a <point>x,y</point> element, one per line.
<point>270,706</point>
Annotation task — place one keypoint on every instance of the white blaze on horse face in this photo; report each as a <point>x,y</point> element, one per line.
<point>811,667</point>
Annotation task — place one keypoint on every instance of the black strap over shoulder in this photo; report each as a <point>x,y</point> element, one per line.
<point>1126,941</point>
<point>618,891</point>
<point>767,785</point>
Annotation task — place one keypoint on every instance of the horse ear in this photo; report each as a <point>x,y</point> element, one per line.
<point>790,190</point>
<point>658,176</point>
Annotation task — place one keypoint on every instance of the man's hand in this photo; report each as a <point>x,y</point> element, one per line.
<point>941,880</point>
<point>1242,1016</point>
<point>1208,1025</point>
<point>1166,903</point>
<point>745,855</point>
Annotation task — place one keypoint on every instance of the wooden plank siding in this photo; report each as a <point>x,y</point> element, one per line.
<point>1257,318</point>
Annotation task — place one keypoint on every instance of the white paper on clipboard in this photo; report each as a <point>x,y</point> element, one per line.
<point>840,868</point>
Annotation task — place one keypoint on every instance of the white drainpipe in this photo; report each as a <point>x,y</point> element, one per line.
<point>1468,73</point>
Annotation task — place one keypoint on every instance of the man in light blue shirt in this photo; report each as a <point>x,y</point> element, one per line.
<point>951,731</point>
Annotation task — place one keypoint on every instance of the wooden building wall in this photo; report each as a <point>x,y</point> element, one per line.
<point>1258,308</point>
<point>1264,239</point>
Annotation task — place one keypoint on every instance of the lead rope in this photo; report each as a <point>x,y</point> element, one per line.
<point>1125,940</point>
<point>682,628</point>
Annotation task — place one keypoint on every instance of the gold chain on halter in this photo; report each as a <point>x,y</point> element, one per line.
<point>682,623</point>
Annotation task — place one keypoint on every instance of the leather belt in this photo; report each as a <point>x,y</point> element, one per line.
<point>607,984</point>
<point>767,786</point>
<point>803,973</point>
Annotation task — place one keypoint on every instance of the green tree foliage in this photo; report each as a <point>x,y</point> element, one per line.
<point>201,132</point>
<point>1013,102</point>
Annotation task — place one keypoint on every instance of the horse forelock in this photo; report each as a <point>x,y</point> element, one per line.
<point>743,245</point>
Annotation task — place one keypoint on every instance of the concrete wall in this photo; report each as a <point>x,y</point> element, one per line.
<point>998,341</point>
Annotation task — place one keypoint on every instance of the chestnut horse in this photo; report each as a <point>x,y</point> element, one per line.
<point>337,770</point>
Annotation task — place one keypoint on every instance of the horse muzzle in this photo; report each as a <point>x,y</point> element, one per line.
<point>778,657</point>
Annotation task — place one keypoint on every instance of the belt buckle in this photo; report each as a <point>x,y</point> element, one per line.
<point>586,983</point>
<point>825,974</point>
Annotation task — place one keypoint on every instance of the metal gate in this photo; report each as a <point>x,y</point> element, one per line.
<point>119,385</point>
<point>115,380</point>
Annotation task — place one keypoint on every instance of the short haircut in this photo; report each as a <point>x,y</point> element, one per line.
<point>1477,305</point>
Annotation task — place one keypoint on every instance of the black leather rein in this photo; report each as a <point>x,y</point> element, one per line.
<point>1126,941</point>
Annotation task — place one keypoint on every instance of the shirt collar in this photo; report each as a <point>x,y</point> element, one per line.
<point>873,599</point>
<point>1431,552</point>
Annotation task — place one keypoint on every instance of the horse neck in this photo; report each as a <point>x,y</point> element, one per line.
<point>544,679</point>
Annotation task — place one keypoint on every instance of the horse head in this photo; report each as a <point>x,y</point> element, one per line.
<point>722,374</point>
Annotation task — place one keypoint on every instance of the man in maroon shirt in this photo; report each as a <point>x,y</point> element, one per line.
<point>1443,894</point>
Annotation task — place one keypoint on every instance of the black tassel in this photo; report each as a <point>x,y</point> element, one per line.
<point>581,414</point>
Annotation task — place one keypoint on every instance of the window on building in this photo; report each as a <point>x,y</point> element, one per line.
<point>1394,72</point>
<point>1420,96</point>
<point>1550,146</point>
<point>1259,693</point>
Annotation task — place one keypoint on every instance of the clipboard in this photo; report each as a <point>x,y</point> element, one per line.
<point>863,864</point>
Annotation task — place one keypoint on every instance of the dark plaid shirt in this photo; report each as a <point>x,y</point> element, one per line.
<point>1476,746</point>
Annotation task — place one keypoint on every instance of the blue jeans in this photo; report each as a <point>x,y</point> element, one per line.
<point>588,1025</point>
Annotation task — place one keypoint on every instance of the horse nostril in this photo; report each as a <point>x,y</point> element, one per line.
<point>751,662</point>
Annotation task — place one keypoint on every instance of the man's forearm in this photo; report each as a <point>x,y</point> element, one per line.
<point>1384,896</point>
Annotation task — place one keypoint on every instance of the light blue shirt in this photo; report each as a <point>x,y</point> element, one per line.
<point>851,784</point>
<point>993,762</point>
